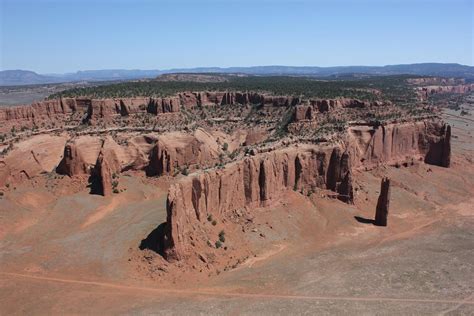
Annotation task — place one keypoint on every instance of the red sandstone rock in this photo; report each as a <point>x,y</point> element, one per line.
<point>102,176</point>
<point>446,152</point>
<point>383,203</point>
<point>395,143</point>
<point>427,91</point>
<point>252,182</point>
<point>175,151</point>
<point>72,163</point>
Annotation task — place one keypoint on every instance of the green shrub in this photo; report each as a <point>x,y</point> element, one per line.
<point>218,244</point>
<point>185,171</point>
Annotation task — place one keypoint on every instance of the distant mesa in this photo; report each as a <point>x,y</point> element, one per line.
<point>24,77</point>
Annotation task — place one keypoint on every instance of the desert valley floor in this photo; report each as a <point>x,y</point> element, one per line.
<point>79,253</point>
<point>65,253</point>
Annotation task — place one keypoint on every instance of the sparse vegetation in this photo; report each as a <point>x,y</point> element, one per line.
<point>394,88</point>
<point>115,184</point>
<point>222,236</point>
<point>185,171</point>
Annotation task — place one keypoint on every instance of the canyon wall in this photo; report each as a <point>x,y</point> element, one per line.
<point>251,182</point>
<point>177,151</point>
<point>93,110</point>
<point>425,92</point>
<point>310,108</point>
<point>258,180</point>
<point>429,141</point>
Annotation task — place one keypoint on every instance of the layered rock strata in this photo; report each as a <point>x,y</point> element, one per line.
<point>425,92</point>
<point>178,151</point>
<point>256,181</point>
<point>429,141</point>
<point>252,182</point>
<point>310,109</point>
<point>106,109</point>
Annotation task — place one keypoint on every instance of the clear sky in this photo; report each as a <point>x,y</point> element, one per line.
<point>70,35</point>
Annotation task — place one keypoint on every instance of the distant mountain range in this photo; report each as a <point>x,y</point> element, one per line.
<point>24,77</point>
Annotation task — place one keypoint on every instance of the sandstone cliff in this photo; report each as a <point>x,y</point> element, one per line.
<point>310,109</point>
<point>72,162</point>
<point>105,167</point>
<point>425,92</point>
<point>398,143</point>
<point>252,182</point>
<point>176,151</point>
<point>28,159</point>
<point>258,180</point>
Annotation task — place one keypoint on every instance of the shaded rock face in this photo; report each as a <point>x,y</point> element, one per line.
<point>383,203</point>
<point>446,155</point>
<point>252,182</point>
<point>101,177</point>
<point>429,141</point>
<point>104,109</point>
<point>72,163</point>
<point>191,99</point>
<point>439,150</point>
<point>339,176</point>
<point>163,105</point>
<point>161,161</point>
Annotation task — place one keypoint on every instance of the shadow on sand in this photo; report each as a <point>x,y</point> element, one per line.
<point>364,220</point>
<point>155,240</point>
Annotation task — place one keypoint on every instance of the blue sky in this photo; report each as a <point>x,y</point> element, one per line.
<point>70,35</point>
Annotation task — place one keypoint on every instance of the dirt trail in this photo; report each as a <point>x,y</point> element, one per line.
<point>264,256</point>
<point>468,301</point>
<point>102,211</point>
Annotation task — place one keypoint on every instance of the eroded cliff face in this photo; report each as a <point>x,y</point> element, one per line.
<point>311,108</point>
<point>28,159</point>
<point>178,151</point>
<point>425,92</point>
<point>252,182</point>
<point>94,110</point>
<point>72,162</point>
<point>190,99</point>
<point>259,180</point>
<point>429,141</point>
<point>102,176</point>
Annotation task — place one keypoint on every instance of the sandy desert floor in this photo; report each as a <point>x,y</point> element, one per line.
<point>73,254</point>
